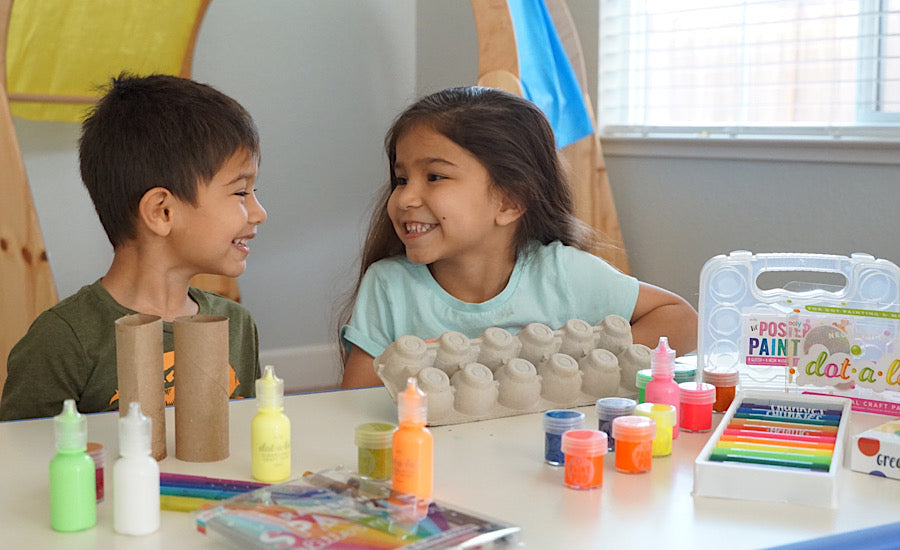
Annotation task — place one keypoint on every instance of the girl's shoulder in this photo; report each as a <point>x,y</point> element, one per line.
<point>395,267</point>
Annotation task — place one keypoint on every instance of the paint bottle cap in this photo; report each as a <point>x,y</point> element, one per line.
<point>374,435</point>
<point>134,432</point>
<point>584,443</point>
<point>664,415</point>
<point>611,407</point>
<point>698,393</point>
<point>684,373</point>
<point>70,428</point>
<point>412,404</point>
<point>269,390</point>
<point>559,421</point>
<point>634,428</point>
<point>661,359</point>
<point>721,376</point>
<point>642,377</point>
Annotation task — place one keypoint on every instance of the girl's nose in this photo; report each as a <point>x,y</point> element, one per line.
<point>409,195</point>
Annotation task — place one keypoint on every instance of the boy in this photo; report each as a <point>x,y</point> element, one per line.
<point>170,166</point>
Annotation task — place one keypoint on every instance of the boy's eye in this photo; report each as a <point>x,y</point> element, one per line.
<point>399,181</point>
<point>242,193</point>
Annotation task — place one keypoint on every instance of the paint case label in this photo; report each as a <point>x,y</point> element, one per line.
<point>877,451</point>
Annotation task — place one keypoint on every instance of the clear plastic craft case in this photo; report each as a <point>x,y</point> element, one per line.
<point>501,374</point>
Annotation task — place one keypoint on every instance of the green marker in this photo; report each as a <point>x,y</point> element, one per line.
<point>73,497</point>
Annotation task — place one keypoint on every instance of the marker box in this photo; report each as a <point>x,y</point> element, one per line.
<point>760,471</point>
<point>877,451</point>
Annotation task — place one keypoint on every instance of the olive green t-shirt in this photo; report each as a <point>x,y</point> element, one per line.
<point>69,352</point>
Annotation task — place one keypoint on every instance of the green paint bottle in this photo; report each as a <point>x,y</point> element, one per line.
<point>73,500</point>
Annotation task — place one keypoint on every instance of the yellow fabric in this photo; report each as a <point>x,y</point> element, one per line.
<point>69,48</point>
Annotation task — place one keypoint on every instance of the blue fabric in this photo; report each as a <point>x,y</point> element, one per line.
<point>547,77</point>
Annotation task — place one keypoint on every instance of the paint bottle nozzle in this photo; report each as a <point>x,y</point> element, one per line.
<point>70,428</point>
<point>134,432</point>
<point>269,390</point>
<point>662,359</point>
<point>412,404</point>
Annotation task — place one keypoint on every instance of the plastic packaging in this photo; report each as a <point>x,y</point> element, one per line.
<point>73,486</point>
<point>135,476</point>
<point>556,423</point>
<point>584,451</point>
<point>413,445</point>
<point>608,409</point>
<point>373,441</point>
<point>634,443</point>
<point>726,380</point>
<point>663,388</point>
<point>270,431</point>
<point>697,399</point>
<point>664,418</point>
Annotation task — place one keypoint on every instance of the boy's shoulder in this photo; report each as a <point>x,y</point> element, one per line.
<point>89,302</point>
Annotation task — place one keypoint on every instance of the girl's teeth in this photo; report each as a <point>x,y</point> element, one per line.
<point>418,227</point>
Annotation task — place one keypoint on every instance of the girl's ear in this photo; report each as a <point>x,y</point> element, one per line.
<point>509,211</point>
<point>155,211</point>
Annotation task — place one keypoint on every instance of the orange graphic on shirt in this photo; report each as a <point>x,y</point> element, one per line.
<point>169,376</point>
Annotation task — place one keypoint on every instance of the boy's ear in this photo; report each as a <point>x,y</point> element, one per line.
<point>509,211</point>
<point>155,210</point>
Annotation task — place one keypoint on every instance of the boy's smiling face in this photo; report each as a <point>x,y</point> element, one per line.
<point>213,236</point>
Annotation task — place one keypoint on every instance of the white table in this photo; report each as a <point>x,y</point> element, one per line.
<point>494,467</point>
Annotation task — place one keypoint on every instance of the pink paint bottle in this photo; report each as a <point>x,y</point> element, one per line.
<point>662,387</point>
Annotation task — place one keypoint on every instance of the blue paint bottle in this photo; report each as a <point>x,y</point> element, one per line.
<point>556,423</point>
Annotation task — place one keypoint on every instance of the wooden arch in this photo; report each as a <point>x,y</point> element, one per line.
<point>498,67</point>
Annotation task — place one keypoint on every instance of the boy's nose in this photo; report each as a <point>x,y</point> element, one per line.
<point>255,212</point>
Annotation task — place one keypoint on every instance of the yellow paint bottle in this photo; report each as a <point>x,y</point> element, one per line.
<point>270,431</point>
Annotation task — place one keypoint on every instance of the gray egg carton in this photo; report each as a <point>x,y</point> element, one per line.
<point>500,374</point>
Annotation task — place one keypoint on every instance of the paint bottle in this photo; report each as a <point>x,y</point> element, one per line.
<point>634,443</point>
<point>697,399</point>
<point>556,423</point>
<point>664,418</point>
<point>135,476</point>
<point>725,379</point>
<point>270,431</point>
<point>373,442</point>
<point>662,388</point>
<point>413,449</point>
<point>98,455</point>
<point>608,409</point>
<point>73,489</point>
<point>642,378</point>
<point>584,450</point>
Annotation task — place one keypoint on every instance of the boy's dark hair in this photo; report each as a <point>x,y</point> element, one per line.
<point>157,131</point>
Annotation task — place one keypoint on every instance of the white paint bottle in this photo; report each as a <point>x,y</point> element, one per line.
<point>135,477</point>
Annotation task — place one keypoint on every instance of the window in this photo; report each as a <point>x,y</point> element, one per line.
<point>750,67</point>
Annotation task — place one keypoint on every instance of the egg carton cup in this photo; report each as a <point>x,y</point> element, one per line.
<point>500,374</point>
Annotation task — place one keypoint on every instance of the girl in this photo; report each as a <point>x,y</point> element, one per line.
<point>476,229</point>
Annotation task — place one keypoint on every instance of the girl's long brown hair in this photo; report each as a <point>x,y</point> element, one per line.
<point>512,138</point>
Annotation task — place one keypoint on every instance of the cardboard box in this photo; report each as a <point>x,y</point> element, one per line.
<point>773,483</point>
<point>877,451</point>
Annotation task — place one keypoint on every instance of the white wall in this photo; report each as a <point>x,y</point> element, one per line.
<point>324,79</point>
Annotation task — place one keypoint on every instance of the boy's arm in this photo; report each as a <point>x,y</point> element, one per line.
<point>41,369</point>
<point>659,312</point>
<point>359,370</point>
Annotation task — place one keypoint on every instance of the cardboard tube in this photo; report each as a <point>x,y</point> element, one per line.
<point>139,365</point>
<point>201,388</point>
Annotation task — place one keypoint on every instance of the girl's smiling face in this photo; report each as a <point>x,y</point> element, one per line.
<point>444,206</point>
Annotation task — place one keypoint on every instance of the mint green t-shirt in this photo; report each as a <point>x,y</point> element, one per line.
<point>549,284</point>
<point>70,352</point>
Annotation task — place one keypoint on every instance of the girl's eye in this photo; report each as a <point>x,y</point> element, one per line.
<point>435,177</point>
<point>399,181</point>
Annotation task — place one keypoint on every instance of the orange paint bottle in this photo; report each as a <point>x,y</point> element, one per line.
<point>413,445</point>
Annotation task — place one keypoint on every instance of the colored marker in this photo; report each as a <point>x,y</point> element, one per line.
<point>790,415</point>
<point>181,480</point>
<point>794,420</point>
<point>749,446</point>
<point>762,434</point>
<point>778,442</point>
<point>174,503</point>
<point>771,425</point>
<point>782,461</point>
<point>791,408</point>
